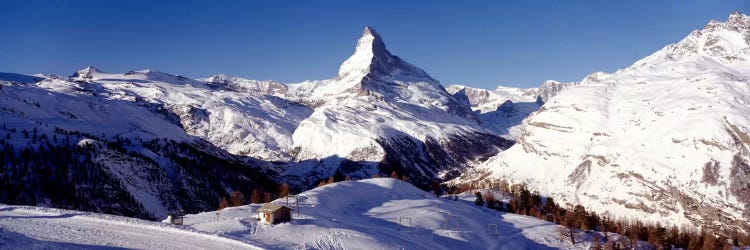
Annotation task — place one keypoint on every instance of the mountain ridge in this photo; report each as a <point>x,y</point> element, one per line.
<point>660,140</point>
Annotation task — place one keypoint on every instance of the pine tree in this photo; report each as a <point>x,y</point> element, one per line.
<point>255,196</point>
<point>266,197</point>
<point>283,190</point>
<point>579,217</point>
<point>709,242</point>
<point>223,204</point>
<point>238,199</point>
<point>504,186</point>
<point>479,201</point>
<point>657,235</point>
<point>695,242</point>
<point>489,199</point>
<point>550,206</point>
<point>597,243</point>
<point>570,224</point>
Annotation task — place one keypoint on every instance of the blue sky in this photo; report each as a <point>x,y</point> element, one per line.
<point>476,43</point>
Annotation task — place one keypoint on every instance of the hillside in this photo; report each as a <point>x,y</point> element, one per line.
<point>366,213</point>
<point>24,227</point>
<point>665,139</point>
<point>84,141</point>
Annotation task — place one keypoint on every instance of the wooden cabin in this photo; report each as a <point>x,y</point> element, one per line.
<point>272,213</point>
<point>176,219</point>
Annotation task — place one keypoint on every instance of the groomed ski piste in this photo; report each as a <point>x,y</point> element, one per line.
<point>379,213</point>
<point>26,227</point>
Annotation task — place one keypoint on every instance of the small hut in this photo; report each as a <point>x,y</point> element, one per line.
<point>272,213</point>
<point>176,219</point>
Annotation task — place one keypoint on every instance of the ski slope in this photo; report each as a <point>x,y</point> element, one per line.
<point>24,227</point>
<point>366,214</point>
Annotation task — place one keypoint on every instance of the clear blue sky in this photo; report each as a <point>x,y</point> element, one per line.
<point>477,43</point>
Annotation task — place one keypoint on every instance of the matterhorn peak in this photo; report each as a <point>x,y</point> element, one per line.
<point>371,58</point>
<point>371,41</point>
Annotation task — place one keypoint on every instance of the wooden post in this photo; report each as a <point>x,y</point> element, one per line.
<point>489,229</point>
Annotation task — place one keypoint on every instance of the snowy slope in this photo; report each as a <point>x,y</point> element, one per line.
<point>365,214</point>
<point>235,114</point>
<point>20,78</point>
<point>44,228</point>
<point>65,140</point>
<point>664,140</point>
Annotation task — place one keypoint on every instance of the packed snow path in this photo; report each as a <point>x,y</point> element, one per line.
<point>44,228</point>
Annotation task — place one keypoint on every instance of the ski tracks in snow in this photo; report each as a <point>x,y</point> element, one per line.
<point>52,228</point>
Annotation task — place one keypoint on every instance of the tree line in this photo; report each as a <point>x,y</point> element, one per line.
<point>522,201</point>
<point>52,169</point>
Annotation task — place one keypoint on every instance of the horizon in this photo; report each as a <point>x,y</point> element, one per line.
<point>470,45</point>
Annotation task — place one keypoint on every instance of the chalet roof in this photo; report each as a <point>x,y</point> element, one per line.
<point>272,207</point>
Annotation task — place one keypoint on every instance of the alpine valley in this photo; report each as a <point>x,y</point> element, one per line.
<point>664,140</point>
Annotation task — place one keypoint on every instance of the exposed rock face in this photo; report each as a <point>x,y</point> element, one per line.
<point>246,85</point>
<point>551,88</point>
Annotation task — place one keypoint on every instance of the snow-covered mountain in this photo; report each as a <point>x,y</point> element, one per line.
<point>381,114</point>
<point>140,138</point>
<point>665,139</point>
<point>155,137</point>
<point>96,137</point>
<point>502,110</point>
<point>246,85</point>
<point>239,115</point>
